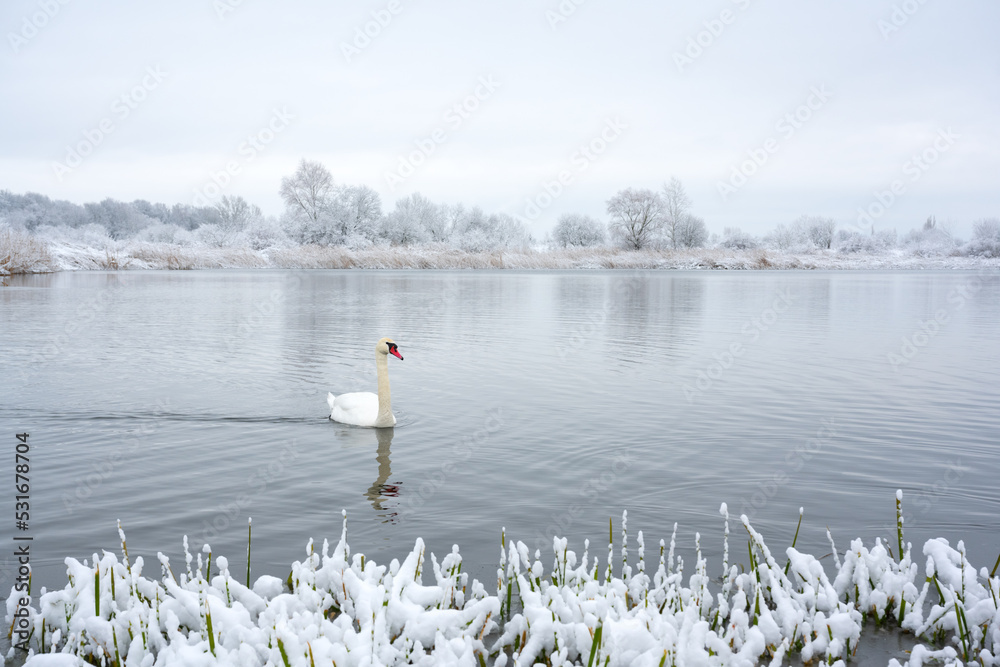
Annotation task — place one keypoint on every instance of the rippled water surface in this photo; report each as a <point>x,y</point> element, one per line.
<point>184,402</point>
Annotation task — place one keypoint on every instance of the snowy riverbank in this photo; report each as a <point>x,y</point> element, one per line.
<point>610,608</point>
<point>48,257</point>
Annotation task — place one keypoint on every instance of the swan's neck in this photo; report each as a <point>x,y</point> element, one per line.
<point>384,400</point>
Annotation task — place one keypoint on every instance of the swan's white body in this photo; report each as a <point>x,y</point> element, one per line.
<point>364,408</point>
<point>359,408</point>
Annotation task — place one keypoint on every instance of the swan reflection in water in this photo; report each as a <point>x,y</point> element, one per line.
<point>379,492</point>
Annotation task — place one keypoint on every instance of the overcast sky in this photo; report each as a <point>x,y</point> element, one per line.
<point>765,109</point>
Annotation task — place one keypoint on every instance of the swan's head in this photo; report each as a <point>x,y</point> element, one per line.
<point>387,346</point>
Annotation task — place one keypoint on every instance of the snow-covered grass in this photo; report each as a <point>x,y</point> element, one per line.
<point>149,255</point>
<point>340,608</point>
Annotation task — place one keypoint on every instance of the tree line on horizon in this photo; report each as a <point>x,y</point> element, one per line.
<point>322,212</point>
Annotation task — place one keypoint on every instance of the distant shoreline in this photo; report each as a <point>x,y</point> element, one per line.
<point>55,257</point>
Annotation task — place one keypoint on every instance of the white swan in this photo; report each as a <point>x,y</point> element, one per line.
<point>364,408</point>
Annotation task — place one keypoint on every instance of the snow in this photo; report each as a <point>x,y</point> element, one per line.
<point>339,607</point>
<point>133,255</point>
<point>40,253</point>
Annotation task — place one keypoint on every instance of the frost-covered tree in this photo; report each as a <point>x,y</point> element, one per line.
<point>636,217</point>
<point>160,232</point>
<point>32,210</point>
<point>265,232</point>
<point>573,229</point>
<point>985,238</point>
<point>479,232</point>
<point>25,212</point>
<point>120,219</point>
<point>359,214</point>
<point>212,235</point>
<point>509,232</point>
<point>454,218</point>
<point>415,219</point>
<point>398,227</point>
<point>805,234</point>
<point>191,217</point>
<point>735,238</point>
<point>933,239</point>
<point>786,237</point>
<point>676,204</point>
<point>820,230</point>
<point>235,215</point>
<point>310,191</point>
<point>987,229</point>
<point>157,211</point>
<point>465,220</point>
<point>433,218</point>
<point>855,241</point>
<point>691,232</point>
<point>313,210</point>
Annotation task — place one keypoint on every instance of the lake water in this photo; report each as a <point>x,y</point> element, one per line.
<point>543,402</point>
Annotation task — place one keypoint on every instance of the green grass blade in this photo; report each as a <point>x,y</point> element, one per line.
<point>249,532</point>
<point>97,590</point>
<point>794,539</point>
<point>899,522</point>
<point>595,645</point>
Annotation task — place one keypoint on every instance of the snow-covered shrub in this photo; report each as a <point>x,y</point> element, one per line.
<point>21,252</point>
<point>212,236</point>
<point>165,233</point>
<point>931,240</point>
<point>402,227</point>
<point>573,229</point>
<point>476,240</point>
<point>357,241</point>
<point>258,233</point>
<point>791,238</point>
<point>985,239</point>
<point>91,235</point>
<point>854,241</point>
<point>819,230</point>
<point>806,234</point>
<point>305,230</point>
<point>690,232</point>
<point>265,232</point>
<point>500,231</point>
<point>735,238</point>
<point>415,220</point>
<point>400,230</point>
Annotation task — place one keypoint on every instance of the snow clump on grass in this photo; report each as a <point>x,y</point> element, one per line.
<point>338,607</point>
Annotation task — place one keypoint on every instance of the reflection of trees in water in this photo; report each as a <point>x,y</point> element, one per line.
<point>654,309</point>
<point>349,309</point>
<point>615,314</point>
<point>381,490</point>
<point>819,296</point>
